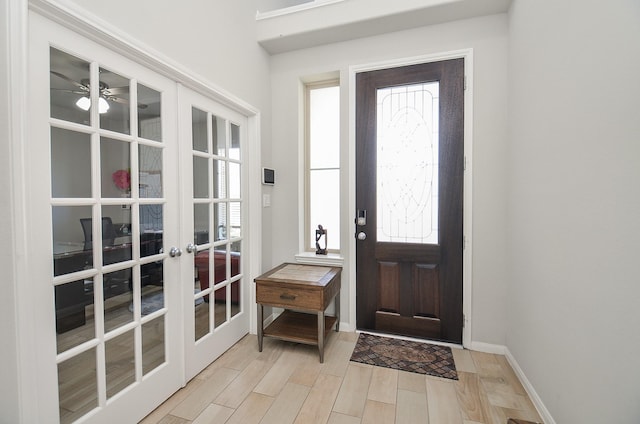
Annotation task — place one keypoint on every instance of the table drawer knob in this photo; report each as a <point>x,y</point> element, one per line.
<point>287,297</point>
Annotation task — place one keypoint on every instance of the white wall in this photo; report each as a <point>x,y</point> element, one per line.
<point>574,205</point>
<point>488,37</point>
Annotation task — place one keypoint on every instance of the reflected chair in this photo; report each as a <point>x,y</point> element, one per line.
<point>116,282</point>
<point>108,232</point>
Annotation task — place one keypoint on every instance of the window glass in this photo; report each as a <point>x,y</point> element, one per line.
<point>323,164</point>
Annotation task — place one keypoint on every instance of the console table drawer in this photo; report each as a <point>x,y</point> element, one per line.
<point>288,297</point>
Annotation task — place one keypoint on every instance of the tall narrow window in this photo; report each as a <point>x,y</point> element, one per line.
<point>323,163</point>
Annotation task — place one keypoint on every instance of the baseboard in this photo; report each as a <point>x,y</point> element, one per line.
<point>487,348</point>
<point>533,395</point>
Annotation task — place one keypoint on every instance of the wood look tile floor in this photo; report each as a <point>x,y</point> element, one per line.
<point>287,384</point>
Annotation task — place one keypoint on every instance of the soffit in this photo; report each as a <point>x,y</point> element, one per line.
<point>350,19</point>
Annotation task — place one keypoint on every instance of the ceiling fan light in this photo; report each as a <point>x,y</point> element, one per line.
<point>83,103</point>
<point>103,105</point>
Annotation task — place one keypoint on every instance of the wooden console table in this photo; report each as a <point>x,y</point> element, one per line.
<point>302,290</point>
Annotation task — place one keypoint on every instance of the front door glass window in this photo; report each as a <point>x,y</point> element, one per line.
<point>407,163</point>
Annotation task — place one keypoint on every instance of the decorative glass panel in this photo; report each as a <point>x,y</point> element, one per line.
<point>70,164</point>
<point>219,134</point>
<point>150,174</point>
<point>236,249</point>
<point>199,129</point>
<point>151,222</point>
<point>71,245</point>
<point>202,320</point>
<point>153,344</point>
<point>116,245</point>
<point>235,219</point>
<point>113,103</point>
<point>120,363</point>
<point>201,223</point>
<point>235,297</point>
<point>118,296</point>
<point>407,163</point>
<point>152,299</point>
<point>69,82</point>
<point>200,180</point>
<point>74,313</point>
<point>219,179</point>
<point>220,221</point>
<point>220,306</point>
<point>234,180</point>
<point>77,386</point>
<point>149,110</point>
<point>234,149</point>
<point>114,166</point>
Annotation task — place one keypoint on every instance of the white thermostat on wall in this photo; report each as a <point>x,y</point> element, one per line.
<point>268,176</point>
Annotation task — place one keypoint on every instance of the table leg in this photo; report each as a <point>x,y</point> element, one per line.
<point>321,335</point>
<point>260,324</point>
<point>337,305</point>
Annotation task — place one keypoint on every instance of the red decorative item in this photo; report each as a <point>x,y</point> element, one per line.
<point>122,179</point>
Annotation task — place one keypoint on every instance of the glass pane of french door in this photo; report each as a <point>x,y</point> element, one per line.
<point>216,219</point>
<point>108,214</point>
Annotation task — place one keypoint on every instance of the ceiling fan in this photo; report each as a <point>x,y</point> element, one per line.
<point>107,94</point>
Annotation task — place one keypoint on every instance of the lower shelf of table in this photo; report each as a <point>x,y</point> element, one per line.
<point>298,327</point>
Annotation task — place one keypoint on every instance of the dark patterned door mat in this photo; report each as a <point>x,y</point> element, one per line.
<point>405,355</point>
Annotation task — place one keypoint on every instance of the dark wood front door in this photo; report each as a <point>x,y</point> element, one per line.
<point>409,196</point>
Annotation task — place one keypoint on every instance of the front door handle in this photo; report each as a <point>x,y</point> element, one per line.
<point>361,235</point>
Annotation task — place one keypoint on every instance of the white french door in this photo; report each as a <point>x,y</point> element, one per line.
<point>137,257</point>
<point>212,139</point>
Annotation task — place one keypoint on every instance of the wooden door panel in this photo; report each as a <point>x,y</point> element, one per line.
<point>426,292</point>
<point>389,287</point>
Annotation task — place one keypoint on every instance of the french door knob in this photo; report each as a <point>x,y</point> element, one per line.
<point>175,252</point>
<point>191,248</point>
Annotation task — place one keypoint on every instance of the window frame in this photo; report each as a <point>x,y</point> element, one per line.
<point>308,87</point>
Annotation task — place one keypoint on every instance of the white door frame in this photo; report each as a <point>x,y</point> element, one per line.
<point>31,403</point>
<point>467,274</point>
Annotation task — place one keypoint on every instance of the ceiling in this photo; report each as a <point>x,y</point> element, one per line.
<point>328,21</point>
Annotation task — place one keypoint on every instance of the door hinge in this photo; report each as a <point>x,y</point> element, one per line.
<point>465,82</point>
<point>464,320</point>
<point>464,166</point>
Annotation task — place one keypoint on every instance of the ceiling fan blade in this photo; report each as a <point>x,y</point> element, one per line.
<point>116,90</point>
<point>64,90</point>
<point>84,88</point>
<point>124,101</point>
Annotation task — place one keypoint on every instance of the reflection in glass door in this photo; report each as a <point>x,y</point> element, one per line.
<point>220,314</point>
<point>108,213</point>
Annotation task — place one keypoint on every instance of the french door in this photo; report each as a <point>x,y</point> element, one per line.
<point>212,138</point>
<point>409,196</point>
<point>138,271</point>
